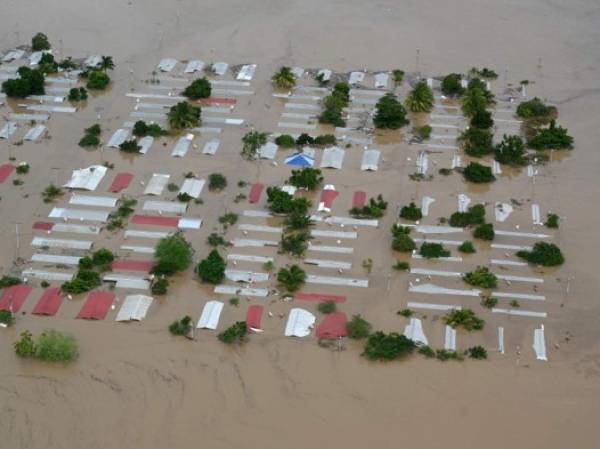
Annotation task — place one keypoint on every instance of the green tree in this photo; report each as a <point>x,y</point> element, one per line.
<point>284,78</point>
<point>235,333</point>
<point>25,346</point>
<point>382,346</point>
<point>420,99</point>
<point>212,269</point>
<point>358,327</point>
<point>40,42</point>
<point>477,173</point>
<point>282,202</point>
<point>544,254</point>
<point>467,247</point>
<point>552,138</point>
<point>481,277</point>
<point>106,63</point>
<point>534,108</point>
<point>511,151</point>
<point>482,119</point>
<point>433,250</point>
<point>285,140</point>
<point>291,278</point>
<point>327,307</point>
<point>484,231</point>
<point>473,100</point>
<point>130,146</point>
<point>97,80</point>
<point>390,114</point>
<point>200,88</point>
<point>411,212</point>
<point>216,181</point>
<point>401,239</point>
<point>56,347</point>
<point>451,85</point>
<point>182,326</point>
<point>308,178</point>
<point>173,254</point>
<point>252,141</point>
<point>30,82</point>
<point>184,115</point>
<point>465,318</point>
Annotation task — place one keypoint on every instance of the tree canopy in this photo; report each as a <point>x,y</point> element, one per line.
<point>291,278</point>
<point>390,114</point>
<point>545,254</point>
<point>451,85</point>
<point>212,269</point>
<point>552,138</point>
<point>283,203</point>
<point>184,115</point>
<point>40,42</point>
<point>284,78</point>
<point>200,88</point>
<point>477,173</point>
<point>420,99</point>
<point>511,151</point>
<point>252,141</point>
<point>308,178</point>
<point>30,82</point>
<point>172,254</point>
<point>98,80</point>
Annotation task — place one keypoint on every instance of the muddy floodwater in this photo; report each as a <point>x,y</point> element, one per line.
<point>136,386</point>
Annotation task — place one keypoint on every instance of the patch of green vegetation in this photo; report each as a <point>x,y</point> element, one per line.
<point>78,94</point>
<point>184,197</point>
<point>236,333</point>
<point>8,281</point>
<point>489,302</point>
<point>477,173</point>
<point>234,301</point>
<point>7,317</point>
<point>511,151</point>
<point>40,42</point>
<point>333,105</point>
<point>420,99</point>
<point>401,240</point>
<point>268,265</point>
<point>291,278</point>
<point>552,221</point>
<point>184,115</point>
<point>295,243</point>
<point>433,250</point>
<point>545,254</point>
<point>130,146</point>
<point>423,132</point>
<point>465,318</point>
<point>407,313</point>
<point>401,265</point>
<point>215,240</point>
<point>514,303</point>
<point>411,212</point>
<point>534,108</point>
<point>97,80</point>
<point>182,326</point>
<point>297,222</point>
<point>397,76</point>
<point>552,138</point>
<point>252,141</point>
<point>358,327</point>
<point>285,141</point>
<point>22,168</point>
<point>374,209</point>
<point>212,269</point>
<point>216,181</point>
<point>445,171</point>
<point>29,82</point>
<point>51,346</point>
<point>382,346</point>
<point>477,142</point>
<point>142,129</point>
<point>307,178</point>
<point>281,202</point>
<point>475,215</point>
<point>173,254</point>
<point>482,119</point>
<point>327,307</point>
<point>390,114</point>
<point>228,219</point>
<point>484,232</point>
<point>160,286</point>
<point>467,247</point>
<point>481,277</point>
<point>451,85</point>
<point>284,78</point>
<point>477,352</point>
<point>199,88</point>
<point>91,136</point>
<point>484,73</point>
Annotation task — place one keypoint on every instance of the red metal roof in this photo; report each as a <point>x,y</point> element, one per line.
<point>96,305</point>
<point>49,303</point>
<point>5,171</point>
<point>43,226</point>
<point>327,197</point>
<point>254,316</point>
<point>121,182</point>
<point>14,296</point>
<point>155,220</point>
<point>319,297</point>
<point>217,100</point>
<point>332,326</point>
<point>359,199</point>
<point>132,265</point>
<point>255,192</point>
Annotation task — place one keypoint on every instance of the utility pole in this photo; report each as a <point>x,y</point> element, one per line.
<point>417,57</point>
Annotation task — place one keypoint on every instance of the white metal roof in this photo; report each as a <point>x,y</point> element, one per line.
<point>236,290</point>
<point>298,71</point>
<point>55,259</point>
<point>381,80</point>
<point>192,187</point>
<point>330,249</point>
<point>333,157</point>
<point>135,307</point>
<point>92,61</point>
<point>370,160</point>
<point>195,65</point>
<point>268,151</point>
<point>243,243</point>
<point>428,306</point>
<point>145,234</point>
<point>75,229</point>
<point>61,243</point>
<point>519,312</point>
<point>299,323</point>
<point>326,73</point>
<point>246,276</point>
<point>165,206</point>
<point>346,221</point>
<point>28,117</point>
<point>334,234</point>
<point>167,64</point>
<point>156,184</point>
<point>246,72</point>
<point>450,340</point>
<point>502,211</point>
<point>145,143</point>
<point>209,319</point>
<point>8,130</point>
<point>127,281</point>
<point>336,280</point>
<point>183,145</point>
<point>118,138</point>
<point>328,263</point>
<point>51,108</point>
<point>211,146</point>
<point>257,213</point>
<point>79,214</point>
<point>189,223</point>
<point>87,178</point>
<point>138,249</point>
<point>35,133</point>
<point>13,55</point>
<point>260,228</point>
<point>89,200</point>
<point>36,56</point>
<point>356,77</point>
<point>47,275</point>
<point>249,258</point>
<point>220,68</point>
<point>414,331</point>
<point>437,290</point>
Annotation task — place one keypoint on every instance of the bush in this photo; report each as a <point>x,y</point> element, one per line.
<point>215,239</point>
<point>308,178</point>
<point>40,42</point>
<point>465,318</point>
<point>451,85</point>
<point>51,192</point>
<point>334,103</point>
<point>467,247</point>
<point>281,202</point>
<point>7,281</point>
<point>284,78</point>
<point>390,114</point>
<point>304,139</point>
<point>89,140</point>
<point>297,221</point>
<point>397,76</point>
<point>552,221</point>
<point>200,88</point>
<point>160,286</point>
<point>142,129</point>
<point>212,269</point>
<point>229,219</point>
<point>481,277</point>
<point>181,327</point>
<point>406,313</point>
<point>183,197</point>
<point>510,151</point>
<point>477,142</point>
<point>482,119</point>
<point>84,281</point>
<point>420,99</point>
<point>22,168</point>
<point>484,232</point>
<point>534,108</point>
<point>484,73</point>
<point>325,139</point>
<point>374,209</point>
<point>427,351</point>
<point>433,250</point>
<point>292,279</point>
<point>474,215</point>
<point>285,140</point>
<point>476,97</point>
<point>551,138</point>
<point>6,317</point>
<point>55,346</point>
<point>236,333</point>
<point>445,355</point>
<point>327,307</point>
<point>172,254</point>
<point>489,302</point>
<point>295,243</point>
<point>401,265</point>
<point>358,327</point>
<point>216,181</point>
<point>477,352</point>
<point>423,132</point>
<point>545,254</point>
<point>411,212</point>
<point>30,82</point>
<point>25,346</point>
<point>101,257</point>
<point>78,94</point>
<point>234,301</point>
<point>477,173</point>
<point>401,239</point>
<point>252,141</point>
<point>97,80</point>
<point>130,146</point>
<point>381,346</point>
<point>184,115</point>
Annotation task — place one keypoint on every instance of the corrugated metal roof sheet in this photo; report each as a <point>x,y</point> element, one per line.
<point>220,68</point>
<point>299,323</point>
<point>79,214</point>
<point>209,319</point>
<point>34,133</point>
<point>47,275</point>
<point>260,228</point>
<point>370,160</point>
<point>156,184</point>
<point>138,249</point>
<point>145,143</point>
<point>49,303</point>
<point>246,73</point>
<point>145,234</point>
<point>135,307</point>
<point>336,280</point>
<point>320,297</point>
<point>211,147</point>
<point>56,259</point>
<point>254,316</point>
<point>13,297</point>
<point>255,192</point>
<point>249,258</point>
<point>28,117</point>
<point>334,234</point>
<point>132,265</point>
<point>121,182</point>
<point>192,187</point>
<point>92,61</point>
<point>268,151</point>
<point>87,178</point>
<point>154,220</point>
<point>333,158</point>
<point>119,136</point>
<point>167,64</point>
<point>182,146</point>
<point>75,229</point>
<point>61,243</point>
<point>195,65</point>
<point>5,171</point>
<point>381,80</point>
<point>96,305</point>
<point>8,130</point>
<point>325,73</point>
<point>89,200</point>
<point>356,77</point>
<point>414,331</point>
<point>332,326</point>
<point>246,276</point>
<point>236,290</point>
<point>189,223</point>
<point>165,206</point>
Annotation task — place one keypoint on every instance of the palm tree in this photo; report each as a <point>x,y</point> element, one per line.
<point>420,99</point>
<point>107,63</point>
<point>474,100</point>
<point>183,115</point>
<point>285,78</point>
<point>291,278</point>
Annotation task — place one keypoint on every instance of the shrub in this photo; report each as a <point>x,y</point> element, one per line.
<point>514,303</point>
<point>334,103</point>
<point>78,94</point>
<point>445,355</point>
<point>474,215</point>
<point>420,99</point>
<point>282,202</point>
<point>451,85</point>
<point>102,256</point>
<point>7,281</point>
<point>482,119</point>
<point>374,209</point>
<point>477,142</point>
<point>51,192</point>
<point>292,279</point>
<point>284,78</point>
<point>381,346</point>
<point>484,232</point>
<point>489,302</point>
<point>325,139</point>
<point>142,129</point>
<point>358,327</point>
<point>130,146</point>
<point>411,212</point>
<point>252,141</point>
<point>484,73</point>
<point>268,265</point>
<point>465,318</point>
<point>534,108</point>
<point>481,277</point>
<point>510,151</point>
<point>427,351</point>
<point>234,301</point>
<point>55,346</point>
<point>401,240</point>
<point>297,221</point>
<point>212,269</point>
<point>229,219</point>
<point>84,281</point>
<point>545,254</point>
<point>236,333</point>
<point>160,286</point>
<point>6,317</point>
<point>200,88</point>
<point>401,265</point>
<point>97,80</point>
<point>285,140</point>
<point>423,132</point>
<point>295,243</point>
<point>215,239</point>
<point>184,197</point>
<point>30,82</point>
<point>397,76</point>
<point>172,254</point>
<point>91,136</point>
<point>25,346</point>
<point>40,42</point>
<point>407,313</point>
<point>308,178</point>
<point>467,247</point>
<point>390,114</point>
<point>554,137</point>
<point>216,181</point>
<point>477,352</point>
<point>476,97</point>
<point>184,115</point>
<point>22,168</point>
<point>552,221</point>
<point>433,250</point>
<point>477,173</point>
<point>182,326</point>
<point>327,307</point>
<point>304,139</point>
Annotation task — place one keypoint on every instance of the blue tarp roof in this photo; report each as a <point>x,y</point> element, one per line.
<point>300,159</point>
